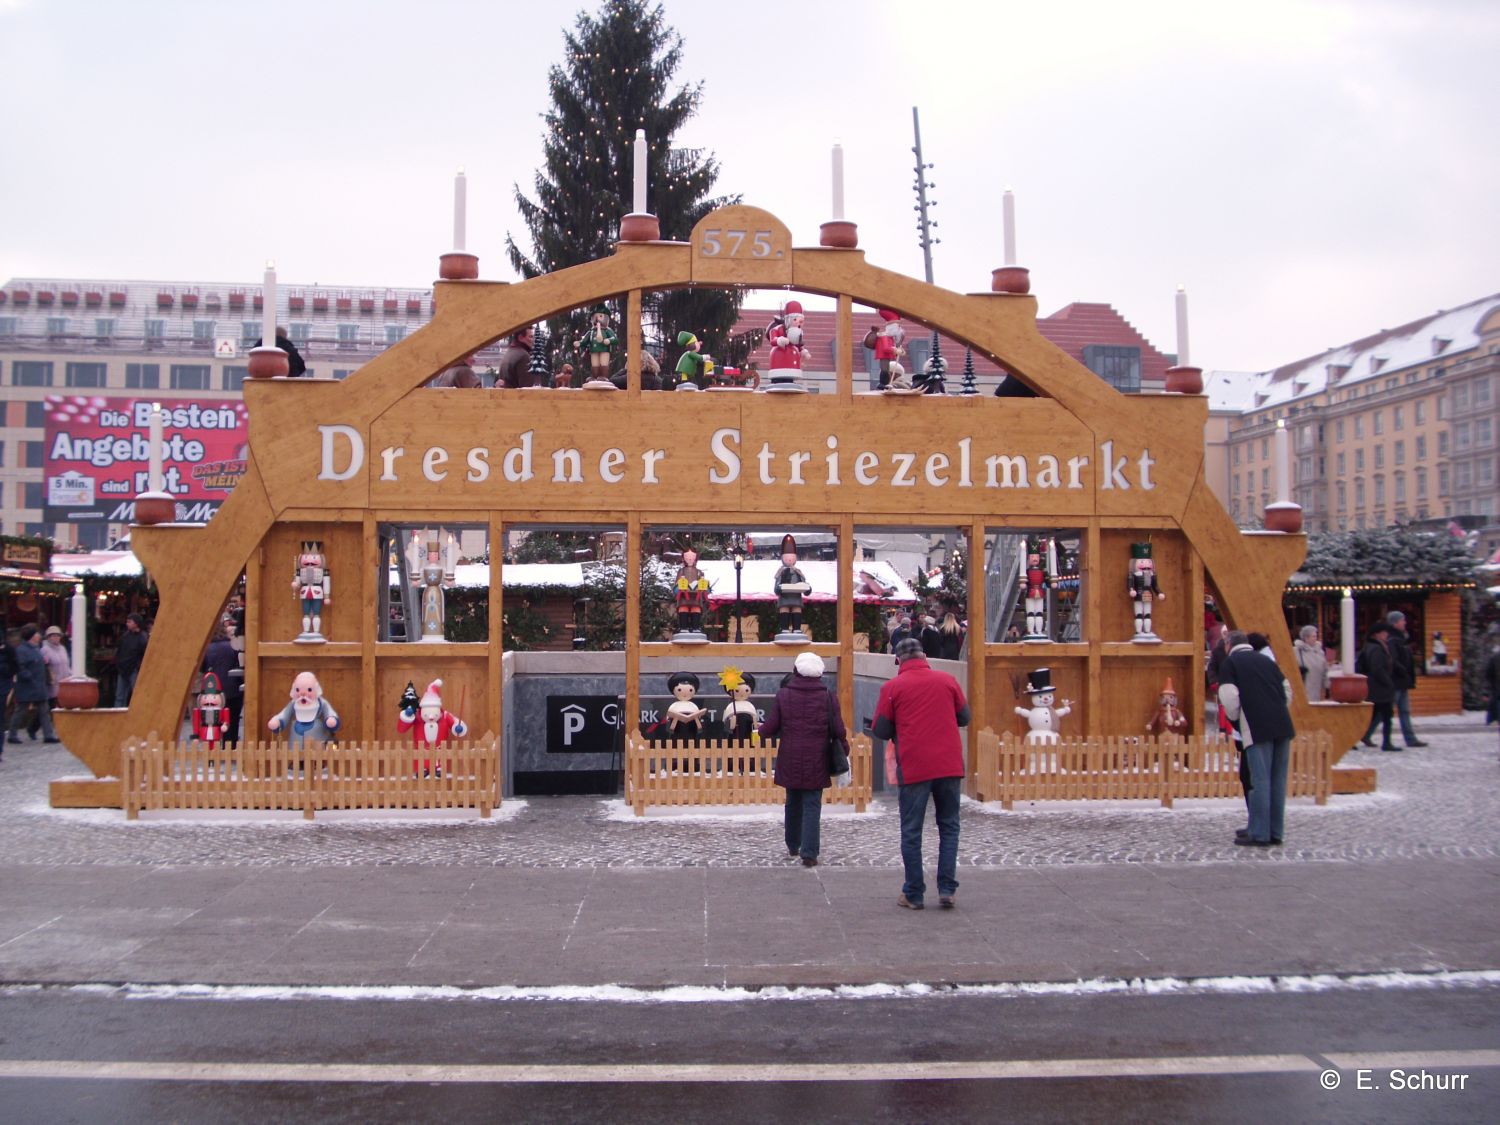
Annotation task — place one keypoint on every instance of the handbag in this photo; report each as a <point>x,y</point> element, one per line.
<point>838,757</point>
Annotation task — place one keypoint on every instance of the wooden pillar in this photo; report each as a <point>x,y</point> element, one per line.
<point>377,573</point>
<point>633,343</point>
<point>1092,581</point>
<point>1191,695</point>
<point>846,619</point>
<point>496,715</point>
<point>843,351</point>
<point>254,585</point>
<point>976,652</point>
<point>632,621</point>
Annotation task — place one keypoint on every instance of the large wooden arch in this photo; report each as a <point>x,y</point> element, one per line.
<point>385,405</point>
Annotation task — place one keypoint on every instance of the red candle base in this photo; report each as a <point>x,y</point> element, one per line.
<point>1283,516</point>
<point>839,234</point>
<point>1351,688</point>
<point>153,508</point>
<point>267,363</point>
<point>1185,380</point>
<point>1011,279</point>
<point>636,227</point>
<point>458,266</point>
<point>78,692</point>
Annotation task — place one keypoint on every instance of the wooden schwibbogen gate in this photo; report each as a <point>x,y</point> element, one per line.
<point>334,461</point>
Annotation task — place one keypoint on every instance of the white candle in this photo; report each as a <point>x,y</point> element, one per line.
<point>838,181</point>
<point>80,627</point>
<point>1182,331</point>
<point>460,209</point>
<point>1009,211</point>
<point>639,203</point>
<point>1346,632</point>
<point>268,309</point>
<point>450,557</point>
<point>1283,463</point>
<point>153,466</point>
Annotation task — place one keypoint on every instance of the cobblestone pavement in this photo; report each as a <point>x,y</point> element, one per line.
<point>1443,801</point>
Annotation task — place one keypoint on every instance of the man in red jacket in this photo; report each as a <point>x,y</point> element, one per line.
<point>922,709</point>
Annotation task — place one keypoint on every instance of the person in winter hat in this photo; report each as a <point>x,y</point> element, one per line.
<point>806,717</point>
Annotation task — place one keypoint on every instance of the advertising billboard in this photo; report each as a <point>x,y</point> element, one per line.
<point>98,452</point>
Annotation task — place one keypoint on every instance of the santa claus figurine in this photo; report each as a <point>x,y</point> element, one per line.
<point>889,347</point>
<point>787,352</point>
<point>211,716</point>
<point>431,727</point>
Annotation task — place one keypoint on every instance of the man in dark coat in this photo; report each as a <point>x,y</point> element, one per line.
<point>1374,663</point>
<point>515,362</point>
<point>7,671</point>
<point>1404,672</point>
<point>921,710</point>
<point>129,652</point>
<point>1256,696</point>
<point>31,681</point>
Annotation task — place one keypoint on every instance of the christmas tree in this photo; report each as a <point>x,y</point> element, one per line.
<point>969,387</point>
<point>617,77</point>
<point>541,371</point>
<point>934,370</point>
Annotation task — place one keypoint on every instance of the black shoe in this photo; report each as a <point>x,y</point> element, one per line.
<point>809,861</point>
<point>1417,745</point>
<point>1367,742</point>
<point>1276,841</point>
<point>792,853</point>
<point>14,740</point>
<point>51,740</point>
<point>1242,833</point>
<point>1246,842</point>
<point>1389,747</point>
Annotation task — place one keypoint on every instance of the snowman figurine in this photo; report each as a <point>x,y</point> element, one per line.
<point>1042,717</point>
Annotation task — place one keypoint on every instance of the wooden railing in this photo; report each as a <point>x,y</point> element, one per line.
<point>1009,769</point>
<point>268,775</point>
<point>724,773</point>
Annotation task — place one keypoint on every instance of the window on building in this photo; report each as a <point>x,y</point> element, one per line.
<point>36,415</point>
<point>1265,448</point>
<point>2,465</point>
<point>1443,443</point>
<point>249,333</point>
<point>1442,481</point>
<point>1460,398</point>
<point>1380,492</point>
<point>342,372</point>
<point>1411,377</point>
<point>1342,496</point>
<point>1250,481</point>
<point>190,376</point>
<point>1118,366</point>
<point>156,332</point>
<point>1419,412</point>
<point>85,374</point>
<point>1392,384</point>
<point>1380,456</point>
<point>1265,479</point>
<point>1340,463</point>
<point>1460,436</point>
<point>57,326</point>
<point>1359,427</point>
<point>33,454</point>
<point>1359,460</point>
<point>234,378</point>
<point>1359,494</point>
<point>1482,391</point>
<point>1236,454</point>
<point>31,373</point>
<point>1421,484</point>
<point>32,495</point>
<point>1484,472</point>
<point>348,335</point>
<point>1400,453</point>
<point>1249,451</point>
<point>1442,407</point>
<point>1483,433</point>
<point>395,333</point>
<point>143,376</point>
<point>1234,481</point>
<point>1398,418</point>
<point>1338,430</point>
<point>92,536</point>
<point>1401,488</point>
<point>104,329</point>
<point>1463,475</point>
<point>299,332</point>
<point>1378,422</point>
<point>1421,450</point>
<point>9,325</point>
<point>203,333</point>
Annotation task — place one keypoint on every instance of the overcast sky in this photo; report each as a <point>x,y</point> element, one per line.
<point>1310,171</point>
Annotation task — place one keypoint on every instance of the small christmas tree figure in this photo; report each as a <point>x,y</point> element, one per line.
<point>540,369</point>
<point>969,387</point>
<point>934,370</point>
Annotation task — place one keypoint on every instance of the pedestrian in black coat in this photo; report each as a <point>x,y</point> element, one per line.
<point>805,716</point>
<point>31,682</point>
<point>1375,665</point>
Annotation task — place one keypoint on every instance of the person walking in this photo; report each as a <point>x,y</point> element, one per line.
<point>806,717</point>
<point>921,710</point>
<point>59,668</point>
<point>952,634</point>
<point>1313,663</point>
<point>31,681</point>
<point>1404,673</point>
<point>932,640</point>
<point>1255,695</point>
<point>129,653</point>
<point>1374,663</point>
<point>7,673</point>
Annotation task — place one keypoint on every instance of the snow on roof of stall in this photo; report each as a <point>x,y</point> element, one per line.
<point>105,564</point>
<point>1426,340</point>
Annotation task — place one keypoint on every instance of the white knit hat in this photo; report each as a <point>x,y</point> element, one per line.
<point>809,664</point>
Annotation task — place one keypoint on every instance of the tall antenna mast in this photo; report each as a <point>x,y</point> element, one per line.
<point>924,225</point>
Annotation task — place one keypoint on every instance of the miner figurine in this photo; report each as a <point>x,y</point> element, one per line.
<point>691,596</point>
<point>791,588</point>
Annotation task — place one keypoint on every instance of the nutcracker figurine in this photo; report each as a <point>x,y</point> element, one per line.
<point>787,352</point>
<point>600,345</point>
<point>1143,592</point>
<point>211,716</point>
<point>1168,718</point>
<point>791,587</point>
<point>1042,717</point>
<point>313,586</point>
<point>739,716</point>
<point>692,594</point>
<point>1040,571</point>
<point>430,725</point>
<point>309,717</point>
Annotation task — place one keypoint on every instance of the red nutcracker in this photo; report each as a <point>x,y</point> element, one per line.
<point>211,716</point>
<point>1040,570</point>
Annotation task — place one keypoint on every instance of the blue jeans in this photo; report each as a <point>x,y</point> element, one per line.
<point>944,792</point>
<point>1403,712</point>
<point>125,688</point>
<point>1268,764</point>
<point>804,812</point>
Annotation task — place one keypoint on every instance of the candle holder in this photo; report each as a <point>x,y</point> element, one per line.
<point>78,693</point>
<point>154,507</point>
<point>1184,380</point>
<point>640,227</point>
<point>839,234</point>
<point>1283,516</point>
<point>457,265</point>
<point>1015,280</point>
<point>268,363</point>
<point>1349,687</point>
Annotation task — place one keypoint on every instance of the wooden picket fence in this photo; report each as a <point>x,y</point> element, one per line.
<point>1010,769</point>
<point>724,773</point>
<point>268,775</point>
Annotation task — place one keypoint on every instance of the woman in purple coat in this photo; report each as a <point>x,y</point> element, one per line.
<point>805,715</point>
